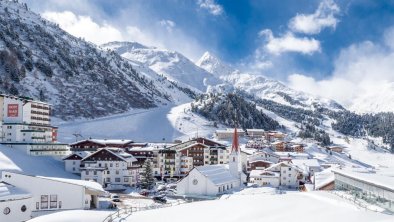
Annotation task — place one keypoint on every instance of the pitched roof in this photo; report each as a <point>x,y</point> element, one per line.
<point>113,154</point>
<point>217,174</point>
<point>77,155</point>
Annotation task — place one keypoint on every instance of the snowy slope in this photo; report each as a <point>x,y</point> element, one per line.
<point>170,64</point>
<point>15,160</point>
<point>153,125</point>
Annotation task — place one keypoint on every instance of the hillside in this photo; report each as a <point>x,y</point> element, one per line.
<point>39,60</point>
<point>170,64</point>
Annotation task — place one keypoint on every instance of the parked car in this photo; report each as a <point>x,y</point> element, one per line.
<point>144,192</point>
<point>115,198</point>
<point>159,199</point>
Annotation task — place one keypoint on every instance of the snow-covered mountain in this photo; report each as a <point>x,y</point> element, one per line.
<point>263,87</point>
<point>374,101</point>
<point>40,60</point>
<point>172,65</point>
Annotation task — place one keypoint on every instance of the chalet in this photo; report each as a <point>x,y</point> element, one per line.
<point>299,148</point>
<point>274,135</point>
<point>227,133</point>
<point>335,148</point>
<point>290,175</point>
<point>308,165</point>
<point>258,164</point>
<point>95,144</point>
<point>72,162</point>
<point>264,178</point>
<point>142,154</point>
<point>53,194</point>
<point>278,146</point>
<point>15,203</point>
<point>111,167</point>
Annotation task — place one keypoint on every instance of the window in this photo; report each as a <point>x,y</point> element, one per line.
<point>87,172</point>
<point>289,169</point>
<point>60,204</point>
<point>108,179</point>
<point>44,201</point>
<point>53,202</point>
<point>220,189</point>
<point>126,180</point>
<point>95,172</point>
<point>7,211</point>
<point>110,165</point>
<point>117,172</point>
<point>117,180</point>
<point>73,162</point>
<point>37,205</point>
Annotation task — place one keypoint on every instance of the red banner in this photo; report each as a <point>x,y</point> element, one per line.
<point>13,110</point>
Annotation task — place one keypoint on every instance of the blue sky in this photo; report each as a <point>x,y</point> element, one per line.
<point>282,39</point>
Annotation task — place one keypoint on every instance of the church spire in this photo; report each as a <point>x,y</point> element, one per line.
<point>235,146</point>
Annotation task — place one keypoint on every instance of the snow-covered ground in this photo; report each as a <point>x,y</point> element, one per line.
<point>254,204</point>
<point>15,160</point>
<point>153,125</point>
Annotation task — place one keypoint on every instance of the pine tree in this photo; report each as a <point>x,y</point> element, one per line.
<point>147,179</point>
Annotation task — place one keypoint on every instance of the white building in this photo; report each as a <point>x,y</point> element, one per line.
<point>375,188</point>
<point>25,124</point>
<point>308,165</point>
<point>15,204</point>
<point>72,162</point>
<point>264,178</point>
<point>289,175</point>
<point>51,194</point>
<point>111,167</point>
<point>209,180</point>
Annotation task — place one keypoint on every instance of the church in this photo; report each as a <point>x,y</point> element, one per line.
<point>212,180</point>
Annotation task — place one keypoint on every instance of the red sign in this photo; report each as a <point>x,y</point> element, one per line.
<point>13,110</point>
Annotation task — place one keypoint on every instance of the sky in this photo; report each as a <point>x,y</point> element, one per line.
<point>331,48</point>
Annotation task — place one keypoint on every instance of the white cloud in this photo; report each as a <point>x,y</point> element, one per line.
<point>323,17</point>
<point>211,6</point>
<point>289,43</point>
<point>361,69</point>
<point>168,25</point>
<point>85,27</point>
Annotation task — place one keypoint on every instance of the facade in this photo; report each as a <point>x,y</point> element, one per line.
<point>369,186</point>
<point>338,149</point>
<point>111,167</point>
<point>258,164</point>
<point>227,133</point>
<point>210,180</point>
<point>264,178</point>
<point>289,175</point>
<point>52,194</point>
<point>15,203</point>
<point>25,124</point>
<point>95,144</point>
<point>72,162</point>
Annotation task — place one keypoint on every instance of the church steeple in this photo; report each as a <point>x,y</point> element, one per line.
<point>235,145</point>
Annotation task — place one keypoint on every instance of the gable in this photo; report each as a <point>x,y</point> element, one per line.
<point>103,155</point>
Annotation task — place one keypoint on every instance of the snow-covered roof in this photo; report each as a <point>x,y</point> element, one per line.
<point>368,176</point>
<point>91,185</point>
<point>306,162</point>
<point>263,173</point>
<point>217,174</point>
<point>81,154</point>
<point>112,141</point>
<point>323,178</point>
<point>9,192</point>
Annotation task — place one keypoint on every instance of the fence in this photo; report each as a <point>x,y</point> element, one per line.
<point>126,212</point>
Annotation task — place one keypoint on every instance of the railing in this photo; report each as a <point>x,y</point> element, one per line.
<point>126,212</point>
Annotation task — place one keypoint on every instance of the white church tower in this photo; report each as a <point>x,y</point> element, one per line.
<point>234,163</point>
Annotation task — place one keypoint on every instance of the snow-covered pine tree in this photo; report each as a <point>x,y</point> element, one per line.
<point>147,179</point>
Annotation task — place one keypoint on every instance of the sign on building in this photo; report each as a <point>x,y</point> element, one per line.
<point>13,110</point>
